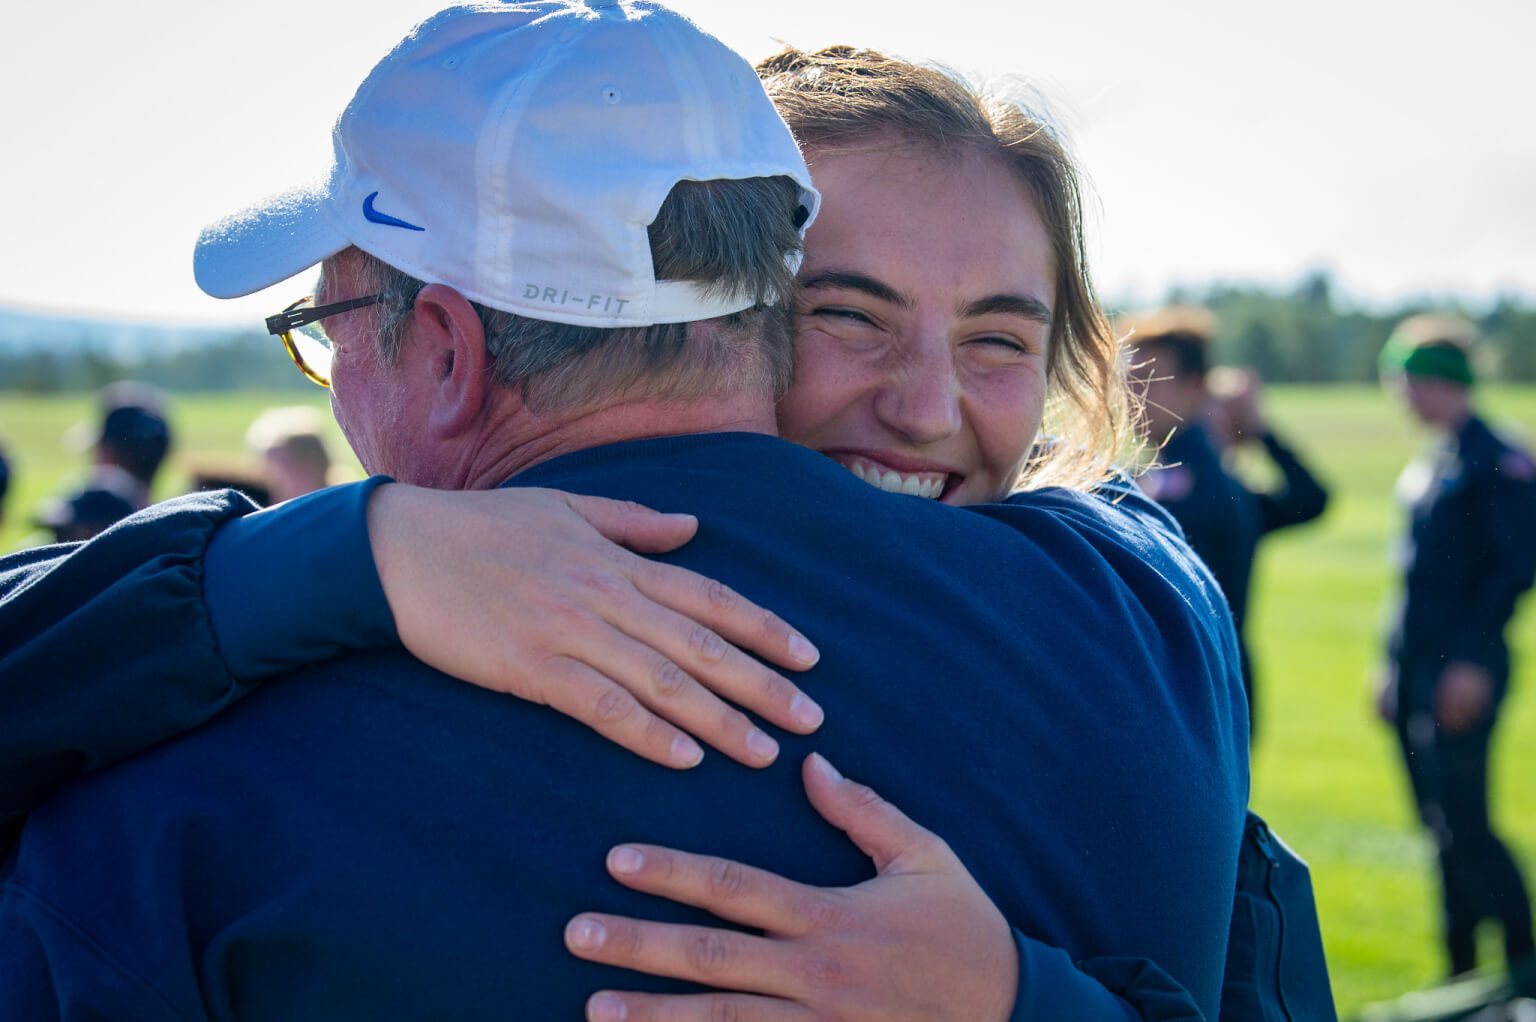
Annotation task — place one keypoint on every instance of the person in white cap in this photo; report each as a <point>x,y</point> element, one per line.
<point>371,840</point>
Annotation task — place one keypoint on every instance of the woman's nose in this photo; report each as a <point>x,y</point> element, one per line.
<point>921,400</point>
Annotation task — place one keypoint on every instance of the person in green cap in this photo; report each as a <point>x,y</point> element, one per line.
<point>1469,552</point>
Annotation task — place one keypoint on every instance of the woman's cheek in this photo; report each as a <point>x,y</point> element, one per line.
<point>828,382</point>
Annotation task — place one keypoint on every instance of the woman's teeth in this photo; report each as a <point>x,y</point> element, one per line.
<point>922,484</point>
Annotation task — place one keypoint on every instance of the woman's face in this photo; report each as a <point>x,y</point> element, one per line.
<point>923,328</point>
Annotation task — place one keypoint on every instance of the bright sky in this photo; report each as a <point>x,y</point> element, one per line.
<point>1389,143</point>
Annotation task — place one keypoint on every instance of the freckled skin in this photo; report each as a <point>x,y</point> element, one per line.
<point>915,373</point>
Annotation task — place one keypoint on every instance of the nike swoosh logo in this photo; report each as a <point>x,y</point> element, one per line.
<point>374,216</point>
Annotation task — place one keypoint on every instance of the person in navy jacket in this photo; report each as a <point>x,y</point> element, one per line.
<point>1223,518</point>
<point>1468,554</point>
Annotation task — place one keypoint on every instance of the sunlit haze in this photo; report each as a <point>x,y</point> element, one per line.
<point>1222,141</point>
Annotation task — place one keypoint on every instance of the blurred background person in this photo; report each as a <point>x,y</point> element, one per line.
<point>289,443</point>
<point>86,512</point>
<point>127,446</point>
<point>1234,417</point>
<point>1222,517</point>
<point>1468,554</point>
<point>130,443</point>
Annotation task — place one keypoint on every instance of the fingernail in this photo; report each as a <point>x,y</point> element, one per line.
<point>820,764</point>
<point>805,712</point>
<point>802,650</point>
<point>587,934</point>
<point>760,745</point>
<point>686,751</point>
<point>625,860</point>
<point>605,1008</point>
<point>678,516</point>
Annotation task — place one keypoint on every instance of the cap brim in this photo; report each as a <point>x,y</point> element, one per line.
<point>266,243</point>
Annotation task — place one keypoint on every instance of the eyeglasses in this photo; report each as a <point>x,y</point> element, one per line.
<point>304,337</point>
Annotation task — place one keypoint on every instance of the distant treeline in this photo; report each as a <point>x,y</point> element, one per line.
<point>1304,335</point>
<point>1300,335</point>
<point>244,361</point>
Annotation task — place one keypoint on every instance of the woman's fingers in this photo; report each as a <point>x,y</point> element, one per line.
<point>920,941</point>
<point>704,600</point>
<point>725,888</point>
<point>726,959</point>
<point>613,1006</point>
<point>608,708</point>
<point>733,616</point>
<point>646,703</point>
<point>669,628</point>
<point>634,525</point>
<point>882,832</point>
<point>525,591</point>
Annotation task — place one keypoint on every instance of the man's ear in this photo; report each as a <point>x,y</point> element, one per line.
<point>452,343</point>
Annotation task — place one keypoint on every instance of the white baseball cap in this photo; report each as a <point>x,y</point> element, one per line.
<point>517,152</point>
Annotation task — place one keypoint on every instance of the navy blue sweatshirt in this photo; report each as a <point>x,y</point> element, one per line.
<point>1050,685</point>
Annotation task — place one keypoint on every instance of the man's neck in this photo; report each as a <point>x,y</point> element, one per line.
<point>516,439</point>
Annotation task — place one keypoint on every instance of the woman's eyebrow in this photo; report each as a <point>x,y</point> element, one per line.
<point>1015,305</point>
<point>1008,304</point>
<point>851,281</point>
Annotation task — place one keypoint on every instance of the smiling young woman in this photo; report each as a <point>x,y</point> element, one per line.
<point>951,223</point>
<point>924,324</point>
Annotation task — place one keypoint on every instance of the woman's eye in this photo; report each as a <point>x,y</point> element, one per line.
<point>838,312</point>
<point>1006,343</point>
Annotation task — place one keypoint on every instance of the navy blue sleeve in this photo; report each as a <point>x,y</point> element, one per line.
<point>1300,499</point>
<point>296,583</point>
<point>1051,985</point>
<point>111,646</point>
<point>105,646</point>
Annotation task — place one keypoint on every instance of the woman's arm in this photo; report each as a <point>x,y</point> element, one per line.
<point>529,591</point>
<point>144,632</point>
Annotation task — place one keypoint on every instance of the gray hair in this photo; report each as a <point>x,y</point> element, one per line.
<point>726,235</point>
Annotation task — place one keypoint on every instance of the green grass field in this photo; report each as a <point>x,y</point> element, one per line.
<point>1325,771</point>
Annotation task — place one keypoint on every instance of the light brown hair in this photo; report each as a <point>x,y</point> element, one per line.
<point>841,98</point>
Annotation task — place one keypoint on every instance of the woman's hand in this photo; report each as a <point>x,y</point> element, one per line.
<point>919,941</point>
<point>532,592</point>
